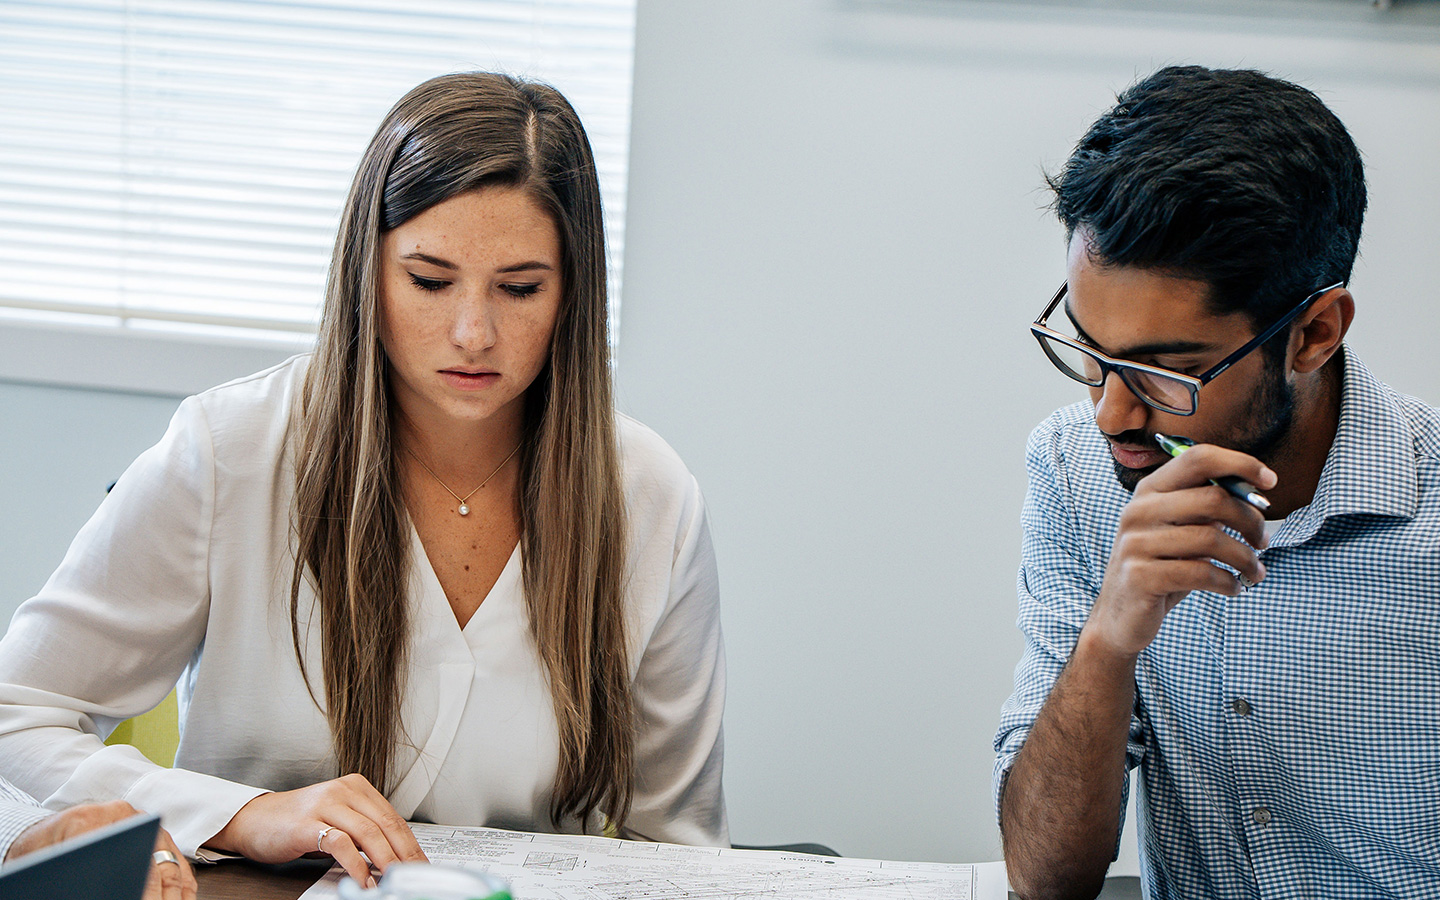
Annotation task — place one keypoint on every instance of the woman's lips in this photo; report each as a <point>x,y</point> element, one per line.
<point>1136,457</point>
<point>469,381</point>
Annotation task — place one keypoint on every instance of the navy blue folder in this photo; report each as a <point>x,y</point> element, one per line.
<point>109,863</point>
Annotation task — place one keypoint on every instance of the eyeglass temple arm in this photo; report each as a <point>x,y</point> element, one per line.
<point>1267,334</point>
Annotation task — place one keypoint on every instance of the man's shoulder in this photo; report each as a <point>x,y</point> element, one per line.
<point>1377,402</point>
<point>1424,422</point>
<point>1069,435</point>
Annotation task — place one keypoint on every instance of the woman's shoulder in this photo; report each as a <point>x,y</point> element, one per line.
<point>646,457</point>
<point>248,416</point>
<point>279,383</point>
<point>269,393</point>
<point>656,480</point>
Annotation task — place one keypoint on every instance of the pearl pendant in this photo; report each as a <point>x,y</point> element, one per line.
<point>464,510</point>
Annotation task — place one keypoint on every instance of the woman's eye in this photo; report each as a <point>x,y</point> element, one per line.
<point>427,284</point>
<point>520,290</point>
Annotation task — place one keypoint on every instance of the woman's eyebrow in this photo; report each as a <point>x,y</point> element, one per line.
<point>432,260</point>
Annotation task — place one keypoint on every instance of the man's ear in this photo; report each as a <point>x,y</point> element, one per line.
<point>1320,331</point>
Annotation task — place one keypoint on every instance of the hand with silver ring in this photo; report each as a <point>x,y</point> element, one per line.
<point>170,874</point>
<point>345,818</point>
<point>170,877</point>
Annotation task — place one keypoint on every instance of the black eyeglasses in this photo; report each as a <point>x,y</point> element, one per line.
<point>1162,389</point>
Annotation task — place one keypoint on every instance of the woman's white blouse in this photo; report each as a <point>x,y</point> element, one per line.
<point>184,573</point>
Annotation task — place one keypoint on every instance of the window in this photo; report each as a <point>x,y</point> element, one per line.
<point>179,165</point>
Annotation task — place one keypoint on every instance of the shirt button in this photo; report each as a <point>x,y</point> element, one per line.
<point>1261,815</point>
<point>1241,707</point>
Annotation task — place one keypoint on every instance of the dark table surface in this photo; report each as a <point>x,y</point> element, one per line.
<point>242,880</point>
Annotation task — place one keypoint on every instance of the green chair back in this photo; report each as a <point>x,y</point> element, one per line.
<point>155,733</point>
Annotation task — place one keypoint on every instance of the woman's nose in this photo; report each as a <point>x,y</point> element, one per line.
<point>474,327</point>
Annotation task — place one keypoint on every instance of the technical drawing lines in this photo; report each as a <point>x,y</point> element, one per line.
<point>783,886</point>
<point>551,862</point>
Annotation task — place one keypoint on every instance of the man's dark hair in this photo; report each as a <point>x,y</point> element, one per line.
<point>1230,177</point>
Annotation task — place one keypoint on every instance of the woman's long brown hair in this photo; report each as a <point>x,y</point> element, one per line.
<point>450,135</point>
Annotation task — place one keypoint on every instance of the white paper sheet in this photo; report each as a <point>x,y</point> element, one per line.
<point>573,867</point>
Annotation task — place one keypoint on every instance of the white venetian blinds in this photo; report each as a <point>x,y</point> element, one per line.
<point>181,163</point>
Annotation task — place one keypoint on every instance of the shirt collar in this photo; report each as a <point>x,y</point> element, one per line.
<point>1371,465</point>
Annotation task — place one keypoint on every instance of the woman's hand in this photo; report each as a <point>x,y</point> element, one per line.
<point>352,815</point>
<point>167,880</point>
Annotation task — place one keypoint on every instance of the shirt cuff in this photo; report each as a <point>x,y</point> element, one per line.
<point>14,819</point>
<point>193,807</point>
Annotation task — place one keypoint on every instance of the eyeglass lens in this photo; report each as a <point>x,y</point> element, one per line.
<point>1158,390</point>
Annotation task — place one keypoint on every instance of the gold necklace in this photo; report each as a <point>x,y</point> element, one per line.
<point>464,510</point>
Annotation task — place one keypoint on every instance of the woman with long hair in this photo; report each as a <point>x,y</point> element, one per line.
<point>425,572</point>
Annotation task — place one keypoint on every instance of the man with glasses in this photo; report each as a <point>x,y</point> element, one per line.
<point>1274,676</point>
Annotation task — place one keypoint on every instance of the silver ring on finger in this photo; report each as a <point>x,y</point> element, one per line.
<point>321,839</point>
<point>165,856</point>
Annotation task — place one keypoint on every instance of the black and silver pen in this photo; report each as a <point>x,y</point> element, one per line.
<point>1232,483</point>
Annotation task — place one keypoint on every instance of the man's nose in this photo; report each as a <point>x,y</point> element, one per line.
<point>1117,408</point>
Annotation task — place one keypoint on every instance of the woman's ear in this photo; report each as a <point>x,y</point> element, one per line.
<point>1321,330</point>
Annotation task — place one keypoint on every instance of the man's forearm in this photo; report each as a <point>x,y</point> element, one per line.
<point>1060,809</point>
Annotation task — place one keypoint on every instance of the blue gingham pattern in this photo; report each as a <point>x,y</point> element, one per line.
<point>18,811</point>
<point>1288,740</point>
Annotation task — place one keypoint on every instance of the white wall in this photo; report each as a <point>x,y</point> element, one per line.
<point>60,448</point>
<point>63,441</point>
<point>835,242</point>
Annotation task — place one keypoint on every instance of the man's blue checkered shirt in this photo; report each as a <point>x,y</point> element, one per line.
<point>1288,739</point>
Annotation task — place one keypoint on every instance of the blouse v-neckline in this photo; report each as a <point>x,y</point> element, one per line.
<point>433,595</point>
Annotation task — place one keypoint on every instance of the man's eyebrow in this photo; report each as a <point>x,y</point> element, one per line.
<point>1158,348</point>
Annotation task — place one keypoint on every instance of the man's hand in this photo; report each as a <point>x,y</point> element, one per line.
<point>1060,806</point>
<point>1169,534</point>
<point>354,816</point>
<point>167,881</point>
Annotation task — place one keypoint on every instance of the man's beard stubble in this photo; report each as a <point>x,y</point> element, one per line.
<point>1272,416</point>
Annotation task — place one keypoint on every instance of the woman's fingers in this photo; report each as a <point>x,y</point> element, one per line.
<point>339,845</point>
<point>392,826</point>
<point>279,827</point>
<point>363,833</point>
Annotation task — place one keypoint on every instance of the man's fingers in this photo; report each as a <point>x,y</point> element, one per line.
<point>179,873</point>
<point>1176,578</point>
<point>170,881</point>
<point>1203,462</point>
<point>1168,565</point>
<point>1205,505</point>
<point>1197,542</point>
<point>165,883</point>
